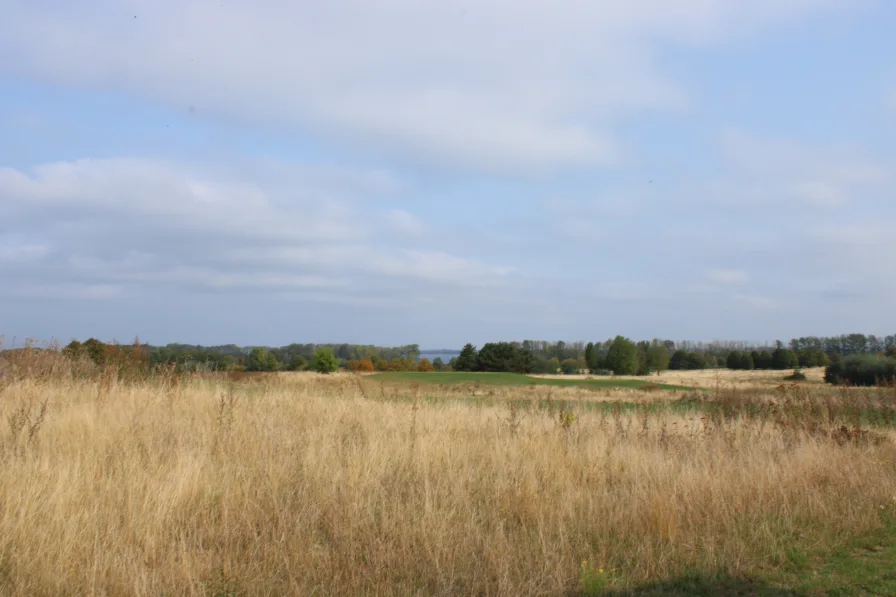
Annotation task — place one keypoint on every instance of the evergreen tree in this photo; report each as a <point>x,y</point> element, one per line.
<point>591,356</point>
<point>783,358</point>
<point>466,361</point>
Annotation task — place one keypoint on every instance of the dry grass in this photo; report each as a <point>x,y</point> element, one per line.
<point>710,378</point>
<point>305,485</point>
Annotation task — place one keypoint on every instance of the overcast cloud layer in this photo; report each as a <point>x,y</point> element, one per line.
<point>442,172</point>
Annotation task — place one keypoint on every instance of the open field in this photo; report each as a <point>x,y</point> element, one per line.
<point>314,485</point>
<point>710,378</point>
<point>516,379</point>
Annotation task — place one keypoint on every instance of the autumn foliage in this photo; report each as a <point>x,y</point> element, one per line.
<point>360,366</point>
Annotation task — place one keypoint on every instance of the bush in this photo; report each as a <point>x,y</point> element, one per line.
<point>401,365</point>
<point>573,366</point>
<point>424,366</point>
<point>361,366</point>
<point>325,361</point>
<point>797,375</point>
<point>862,370</point>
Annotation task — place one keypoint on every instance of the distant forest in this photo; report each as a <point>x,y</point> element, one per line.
<point>619,355</point>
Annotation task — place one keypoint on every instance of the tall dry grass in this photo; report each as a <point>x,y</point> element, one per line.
<point>306,485</point>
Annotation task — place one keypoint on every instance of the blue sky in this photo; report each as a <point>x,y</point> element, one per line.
<point>395,172</point>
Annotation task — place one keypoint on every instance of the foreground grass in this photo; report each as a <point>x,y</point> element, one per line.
<point>516,379</point>
<point>309,485</point>
<point>863,567</point>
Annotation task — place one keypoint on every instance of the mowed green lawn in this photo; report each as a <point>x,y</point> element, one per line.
<point>514,379</point>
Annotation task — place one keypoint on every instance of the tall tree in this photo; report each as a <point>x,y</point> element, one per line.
<point>466,360</point>
<point>657,357</point>
<point>591,357</point>
<point>262,360</point>
<point>622,358</point>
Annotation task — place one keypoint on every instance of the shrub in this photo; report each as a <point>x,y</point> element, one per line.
<point>361,366</point>
<point>797,375</point>
<point>325,361</point>
<point>861,370</point>
<point>401,365</point>
<point>573,366</point>
<point>424,366</point>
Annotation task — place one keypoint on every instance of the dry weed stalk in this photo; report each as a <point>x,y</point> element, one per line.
<point>317,491</point>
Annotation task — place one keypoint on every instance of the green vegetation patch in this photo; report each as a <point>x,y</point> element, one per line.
<point>866,567</point>
<point>516,379</point>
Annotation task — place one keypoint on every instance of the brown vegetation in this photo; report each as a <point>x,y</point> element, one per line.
<point>305,484</point>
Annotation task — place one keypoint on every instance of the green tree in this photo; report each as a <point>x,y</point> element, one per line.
<point>96,350</point>
<point>738,360</point>
<point>622,358</point>
<point>686,361</point>
<point>734,359</point>
<point>573,366</point>
<point>325,361</point>
<point>438,364</point>
<point>297,363</point>
<point>657,357</point>
<point>466,361</point>
<point>504,357</point>
<point>783,358</point>
<point>262,360</point>
<point>762,359</point>
<point>591,356</point>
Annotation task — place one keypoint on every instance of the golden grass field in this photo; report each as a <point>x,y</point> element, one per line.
<point>710,378</point>
<point>313,485</point>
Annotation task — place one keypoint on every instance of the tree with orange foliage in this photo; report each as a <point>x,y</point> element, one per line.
<point>424,366</point>
<point>360,366</point>
<point>401,365</point>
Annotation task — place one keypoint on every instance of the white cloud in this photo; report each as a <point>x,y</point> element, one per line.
<point>23,254</point>
<point>64,291</point>
<point>405,223</point>
<point>98,228</point>
<point>728,276</point>
<point>491,85</point>
<point>774,171</point>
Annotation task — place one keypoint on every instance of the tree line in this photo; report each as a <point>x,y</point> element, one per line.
<point>618,356</point>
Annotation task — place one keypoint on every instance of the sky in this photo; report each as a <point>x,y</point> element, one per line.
<point>443,172</point>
